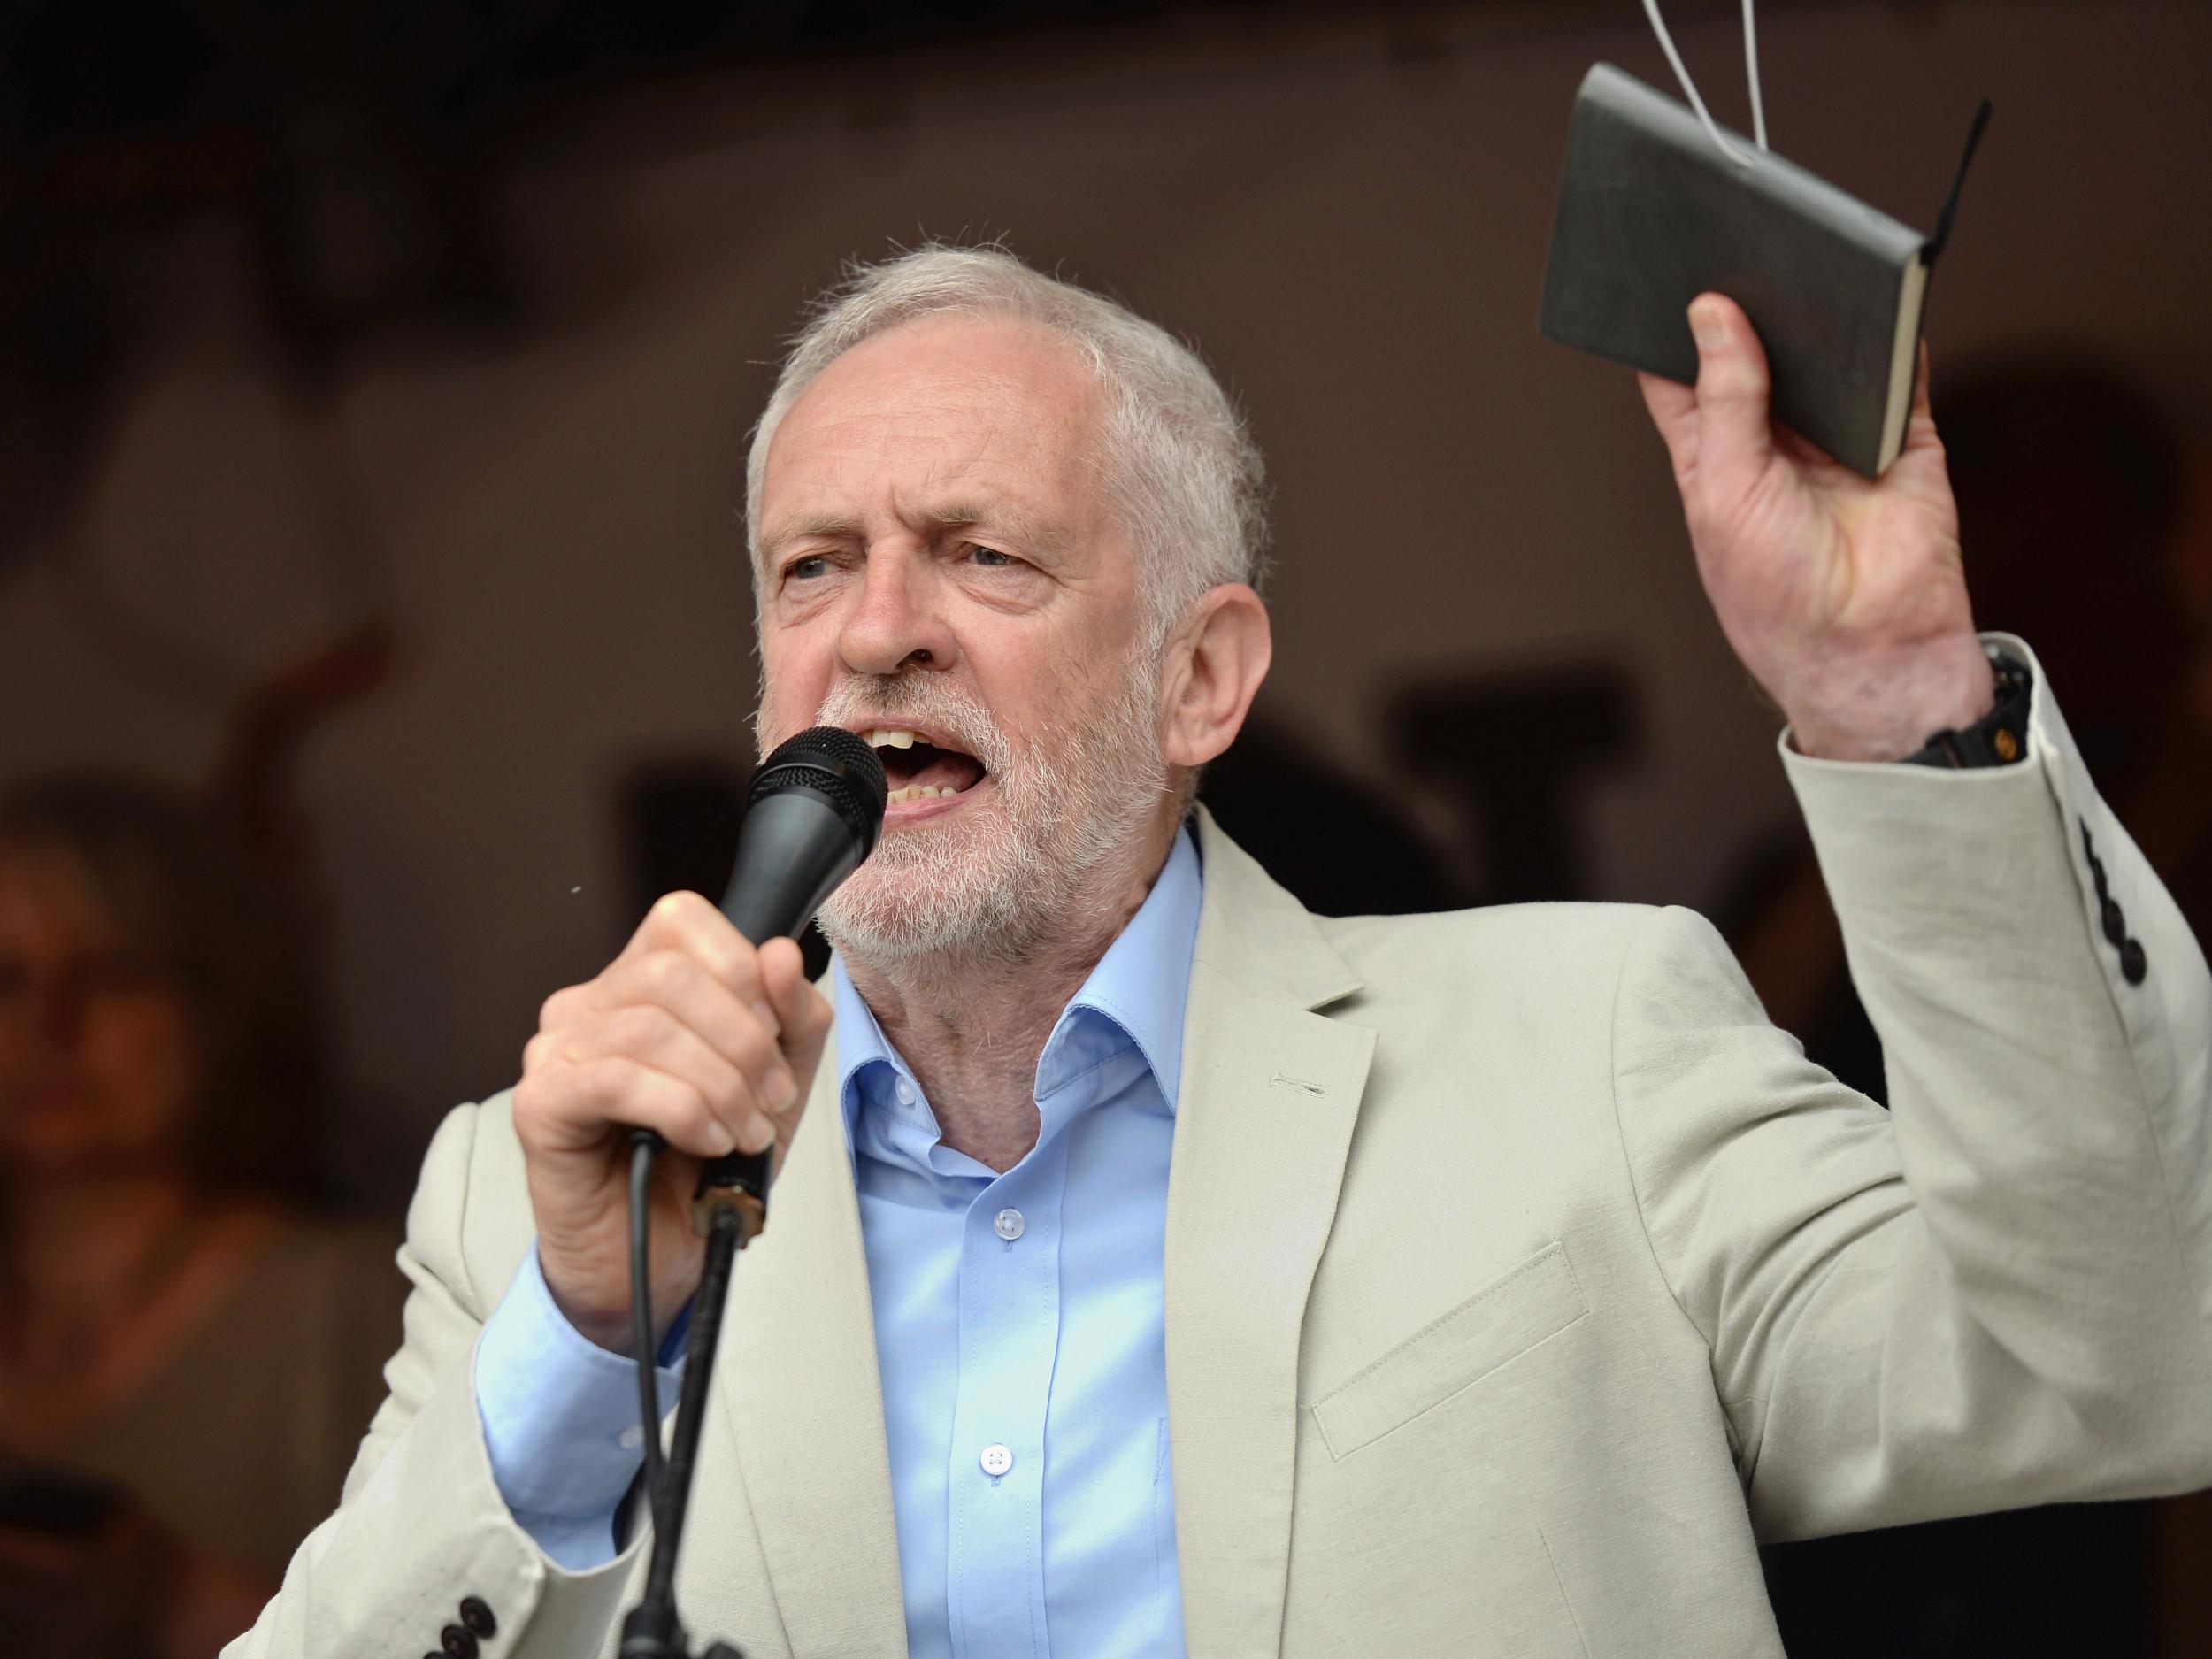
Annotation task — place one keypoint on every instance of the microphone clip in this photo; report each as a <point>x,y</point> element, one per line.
<point>738,1184</point>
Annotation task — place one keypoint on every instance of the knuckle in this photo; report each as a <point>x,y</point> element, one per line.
<point>642,1028</point>
<point>611,1079</point>
<point>752,1047</point>
<point>554,1011</point>
<point>666,972</point>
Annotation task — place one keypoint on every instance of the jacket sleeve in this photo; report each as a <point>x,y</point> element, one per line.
<point>2001,1293</point>
<point>421,1525</point>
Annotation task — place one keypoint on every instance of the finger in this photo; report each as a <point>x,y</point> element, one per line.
<point>570,1107</point>
<point>677,981</point>
<point>688,923</point>
<point>744,1031</point>
<point>1673,407</point>
<point>804,1014</point>
<point>1735,441</point>
<point>727,1080</point>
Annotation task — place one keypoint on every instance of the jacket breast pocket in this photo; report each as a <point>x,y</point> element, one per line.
<point>1505,1318</point>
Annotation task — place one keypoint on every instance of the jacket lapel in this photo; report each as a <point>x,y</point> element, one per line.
<point>797,1375</point>
<point>1264,1112</point>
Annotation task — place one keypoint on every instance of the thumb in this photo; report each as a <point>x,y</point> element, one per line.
<point>1735,440</point>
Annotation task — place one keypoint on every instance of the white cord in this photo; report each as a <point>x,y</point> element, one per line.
<point>1751,69</point>
<point>1681,73</point>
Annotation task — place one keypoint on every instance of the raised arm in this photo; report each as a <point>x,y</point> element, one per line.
<point>2001,1294</point>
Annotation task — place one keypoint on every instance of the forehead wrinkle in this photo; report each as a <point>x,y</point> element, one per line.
<point>927,398</point>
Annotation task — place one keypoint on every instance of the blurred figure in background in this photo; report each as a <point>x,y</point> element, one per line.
<point>187,1359</point>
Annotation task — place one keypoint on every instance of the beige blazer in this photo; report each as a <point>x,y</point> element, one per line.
<point>1521,1278</point>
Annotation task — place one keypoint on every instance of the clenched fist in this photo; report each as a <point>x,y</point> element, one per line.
<point>690,1032</point>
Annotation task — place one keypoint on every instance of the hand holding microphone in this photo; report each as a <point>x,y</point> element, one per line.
<point>694,1032</point>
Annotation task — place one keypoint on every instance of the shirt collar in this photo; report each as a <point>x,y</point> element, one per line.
<point>1135,995</point>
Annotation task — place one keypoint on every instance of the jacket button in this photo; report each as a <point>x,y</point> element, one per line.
<point>458,1643</point>
<point>2115,923</point>
<point>476,1613</point>
<point>2134,967</point>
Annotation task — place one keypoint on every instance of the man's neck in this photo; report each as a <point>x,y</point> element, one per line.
<point>972,1028</point>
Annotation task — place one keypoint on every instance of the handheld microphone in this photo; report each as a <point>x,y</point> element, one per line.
<point>812,815</point>
<point>814,812</point>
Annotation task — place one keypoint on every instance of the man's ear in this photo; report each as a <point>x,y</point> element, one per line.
<point>1215,664</point>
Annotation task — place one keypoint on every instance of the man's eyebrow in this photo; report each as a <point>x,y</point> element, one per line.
<point>1016,522</point>
<point>801,526</point>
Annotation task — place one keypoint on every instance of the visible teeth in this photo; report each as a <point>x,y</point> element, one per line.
<point>920,792</point>
<point>885,738</point>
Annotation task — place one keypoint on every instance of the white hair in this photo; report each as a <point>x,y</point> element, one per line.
<point>1185,480</point>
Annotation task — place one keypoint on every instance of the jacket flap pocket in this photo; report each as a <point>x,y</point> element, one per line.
<point>1507,1316</point>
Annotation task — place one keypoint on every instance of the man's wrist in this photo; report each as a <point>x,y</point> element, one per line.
<point>1884,710</point>
<point>2000,737</point>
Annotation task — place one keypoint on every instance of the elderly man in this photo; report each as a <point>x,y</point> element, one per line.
<point>1156,1267</point>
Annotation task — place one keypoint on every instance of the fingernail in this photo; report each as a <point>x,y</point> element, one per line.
<point>723,1141</point>
<point>760,1134</point>
<point>1706,324</point>
<point>783,1089</point>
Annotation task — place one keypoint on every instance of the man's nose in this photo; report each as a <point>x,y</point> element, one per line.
<point>895,619</point>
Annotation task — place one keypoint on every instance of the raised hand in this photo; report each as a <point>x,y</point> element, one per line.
<point>1846,598</point>
<point>690,1032</point>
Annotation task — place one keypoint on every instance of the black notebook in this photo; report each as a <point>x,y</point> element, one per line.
<point>1651,214</point>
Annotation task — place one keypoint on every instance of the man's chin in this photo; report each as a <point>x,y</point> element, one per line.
<point>883,933</point>
<point>932,888</point>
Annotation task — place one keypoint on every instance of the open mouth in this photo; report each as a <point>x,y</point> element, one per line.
<point>916,769</point>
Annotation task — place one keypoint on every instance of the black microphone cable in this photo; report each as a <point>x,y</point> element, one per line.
<point>643,1144</point>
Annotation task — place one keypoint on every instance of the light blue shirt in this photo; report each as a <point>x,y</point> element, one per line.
<point>1019,1323</point>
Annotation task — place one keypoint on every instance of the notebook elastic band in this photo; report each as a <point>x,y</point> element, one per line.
<point>1751,67</point>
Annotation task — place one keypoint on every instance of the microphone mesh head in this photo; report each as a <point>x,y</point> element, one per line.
<point>834,763</point>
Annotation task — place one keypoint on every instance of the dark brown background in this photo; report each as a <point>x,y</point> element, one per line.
<point>487,377</point>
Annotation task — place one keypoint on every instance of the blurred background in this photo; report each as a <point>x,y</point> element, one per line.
<point>374,627</point>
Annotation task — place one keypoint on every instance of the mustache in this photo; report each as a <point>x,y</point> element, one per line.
<point>956,713</point>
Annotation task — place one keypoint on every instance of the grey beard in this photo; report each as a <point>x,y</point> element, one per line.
<point>1019,872</point>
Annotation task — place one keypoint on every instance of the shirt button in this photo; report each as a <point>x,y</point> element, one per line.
<point>904,1090</point>
<point>1008,1225</point>
<point>631,1437</point>
<point>996,1461</point>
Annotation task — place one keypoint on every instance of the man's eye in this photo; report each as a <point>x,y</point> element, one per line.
<point>806,568</point>
<point>991,557</point>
